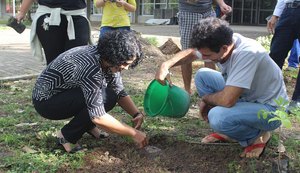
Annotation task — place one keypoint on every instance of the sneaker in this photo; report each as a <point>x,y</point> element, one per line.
<point>294,105</point>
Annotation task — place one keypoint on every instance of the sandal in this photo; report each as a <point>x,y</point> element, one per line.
<point>102,134</point>
<point>215,138</point>
<point>61,141</point>
<point>252,147</point>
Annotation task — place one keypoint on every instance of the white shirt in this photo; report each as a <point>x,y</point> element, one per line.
<point>280,6</point>
<point>251,68</point>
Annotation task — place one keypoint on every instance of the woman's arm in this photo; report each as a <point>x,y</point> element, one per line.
<point>127,104</point>
<point>109,123</point>
<point>26,4</point>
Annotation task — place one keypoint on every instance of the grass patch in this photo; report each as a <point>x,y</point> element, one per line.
<point>152,40</point>
<point>21,127</point>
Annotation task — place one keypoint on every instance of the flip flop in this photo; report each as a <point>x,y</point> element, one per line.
<point>250,148</point>
<point>216,136</point>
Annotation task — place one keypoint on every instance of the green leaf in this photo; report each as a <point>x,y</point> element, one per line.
<point>260,113</point>
<point>286,123</point>
<point>265,115</point>
<point>274,119</point>
<point>281,114</point>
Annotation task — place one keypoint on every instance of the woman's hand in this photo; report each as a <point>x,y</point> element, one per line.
<point>138,121</point>
<point>140,139</point>
<point>20,16</point>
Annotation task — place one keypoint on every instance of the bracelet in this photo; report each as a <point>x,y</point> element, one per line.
<point>136,114</point>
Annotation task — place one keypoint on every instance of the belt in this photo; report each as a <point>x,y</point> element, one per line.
<point>295,4</point>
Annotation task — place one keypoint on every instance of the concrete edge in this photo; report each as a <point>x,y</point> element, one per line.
<point>19,77</point>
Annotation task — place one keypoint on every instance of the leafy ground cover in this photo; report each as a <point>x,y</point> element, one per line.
<point>28,144</point>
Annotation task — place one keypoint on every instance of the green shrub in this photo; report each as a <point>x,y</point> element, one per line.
<point>265,41</point>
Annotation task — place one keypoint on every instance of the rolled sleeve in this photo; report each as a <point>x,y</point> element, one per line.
<point>279,8</point>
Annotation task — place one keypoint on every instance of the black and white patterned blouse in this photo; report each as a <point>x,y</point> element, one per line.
<point>78,67</point>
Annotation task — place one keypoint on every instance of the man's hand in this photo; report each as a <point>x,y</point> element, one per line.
<point>162,74</point>
<point>226,9</point>
<point>203,110</point>
<point>271,24</point>
<point>138,121</point>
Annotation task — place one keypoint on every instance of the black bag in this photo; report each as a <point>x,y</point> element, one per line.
<point>19,27</point>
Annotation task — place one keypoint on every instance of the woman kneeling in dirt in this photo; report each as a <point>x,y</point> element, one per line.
<point>85,83</point>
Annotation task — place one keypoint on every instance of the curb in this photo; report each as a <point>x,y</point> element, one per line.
<point>20,77</point>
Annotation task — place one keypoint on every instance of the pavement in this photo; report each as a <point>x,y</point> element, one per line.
<point>17,62</point>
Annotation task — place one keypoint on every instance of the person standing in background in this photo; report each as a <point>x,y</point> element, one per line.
<point>286,18</point>
<point>190,13</point>
<point>58,25</point>
<point>115,14</point>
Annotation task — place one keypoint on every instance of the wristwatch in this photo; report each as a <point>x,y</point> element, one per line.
<point>136,114</point>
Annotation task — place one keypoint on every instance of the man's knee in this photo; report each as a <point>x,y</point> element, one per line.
<point>217,118</point>
<point>201,74</point>
<point>201,78</point>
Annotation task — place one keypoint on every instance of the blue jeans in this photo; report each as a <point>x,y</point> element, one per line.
<point>105,29</point>
<point>293,60</point>
<point>239,122</point>
<point>286,31</point>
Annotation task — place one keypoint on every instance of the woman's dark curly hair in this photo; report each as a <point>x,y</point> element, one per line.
<point>211,33</point>
<point>117,47</point>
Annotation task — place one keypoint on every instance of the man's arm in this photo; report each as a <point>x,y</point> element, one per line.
<point>280,5</point>
<point>183,57</point>
<point>276,14</point>
<point>226,98</point>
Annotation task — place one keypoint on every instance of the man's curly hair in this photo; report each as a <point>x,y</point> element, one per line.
<point>117,47</point>
<point>211,33</point>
